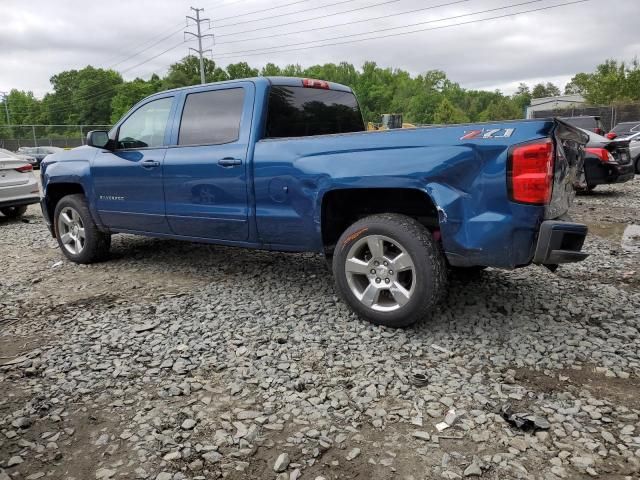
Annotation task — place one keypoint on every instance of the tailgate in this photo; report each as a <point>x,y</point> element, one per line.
<point>569,145</point>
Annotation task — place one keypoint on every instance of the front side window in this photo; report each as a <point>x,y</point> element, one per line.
<point>145,128</point>
<point>300,112</point>
<point>211,118</point>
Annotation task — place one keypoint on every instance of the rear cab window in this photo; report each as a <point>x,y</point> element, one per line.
<point>303,111</point>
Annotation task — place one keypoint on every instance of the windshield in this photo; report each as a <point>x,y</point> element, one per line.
<point>301,112</point>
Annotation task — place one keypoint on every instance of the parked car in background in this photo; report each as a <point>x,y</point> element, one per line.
<point>591,123</point>
<point>624,129</point>
<point>606,161</point>
<point>634,150</point>
<point>39,152</point>
<point>18,186</point>
<point>285,164</point>
<point>22,156</point>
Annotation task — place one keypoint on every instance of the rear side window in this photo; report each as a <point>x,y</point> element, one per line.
<point>211,118</point>
<point>300,112</point>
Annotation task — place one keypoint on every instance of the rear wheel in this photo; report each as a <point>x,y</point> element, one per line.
<point>638,165</point>
<point>76,232</point>
<point>14,212</point>
<point>389,269</point>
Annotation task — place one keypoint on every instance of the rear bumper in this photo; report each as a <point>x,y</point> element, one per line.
<point>18,202</point>
<point>605,173</point>
<point>560,242</point>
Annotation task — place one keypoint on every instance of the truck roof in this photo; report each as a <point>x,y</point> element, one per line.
<point>267,81</point>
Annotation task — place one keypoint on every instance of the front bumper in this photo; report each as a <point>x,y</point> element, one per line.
<point>45,215</point>
<point>560,242</point>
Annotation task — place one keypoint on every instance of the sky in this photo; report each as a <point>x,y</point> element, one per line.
<point>40,38</point>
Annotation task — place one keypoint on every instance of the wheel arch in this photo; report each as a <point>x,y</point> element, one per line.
<point>342,207</point>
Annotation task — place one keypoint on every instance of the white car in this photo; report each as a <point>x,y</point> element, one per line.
<point>18,185</point>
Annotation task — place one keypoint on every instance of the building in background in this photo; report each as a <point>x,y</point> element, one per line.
<point>562,102</point>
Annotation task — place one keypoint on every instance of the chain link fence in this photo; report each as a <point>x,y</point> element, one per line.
<point>610,116</point>
<point>13,137</point>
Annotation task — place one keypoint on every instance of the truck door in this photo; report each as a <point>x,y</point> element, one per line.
<point>128,179</point>
<point>205,171</point>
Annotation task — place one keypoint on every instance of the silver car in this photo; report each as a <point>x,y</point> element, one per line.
<point>634,149</point>
<point>18,185</point>
<point>24,156</point>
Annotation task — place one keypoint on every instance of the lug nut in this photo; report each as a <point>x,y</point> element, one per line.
<point>376,263</point>
<point>386,280</point>
<point>390,272</point>
<point>378,280</point>
<point>373,271</point>
<point>386,264</point>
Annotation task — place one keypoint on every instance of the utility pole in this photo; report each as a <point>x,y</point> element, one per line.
<point>5,100</point>
<point>199,36</point>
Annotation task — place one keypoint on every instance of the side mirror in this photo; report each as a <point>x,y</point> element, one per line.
<point>98,139</point>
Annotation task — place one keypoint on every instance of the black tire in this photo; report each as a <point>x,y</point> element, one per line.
<point>638,165</point>
<point>14,212</point>
<point>430,274</point>
<point>96,244</point>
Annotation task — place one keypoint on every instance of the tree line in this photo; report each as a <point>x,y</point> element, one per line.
<point>95,96</point>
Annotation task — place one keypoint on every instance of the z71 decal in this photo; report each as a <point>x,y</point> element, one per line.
<point>487,134</point>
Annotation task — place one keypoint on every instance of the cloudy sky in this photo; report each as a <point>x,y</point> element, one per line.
<point>40,38</point>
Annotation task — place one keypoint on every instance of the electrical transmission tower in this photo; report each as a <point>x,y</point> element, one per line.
<point>199,36</point>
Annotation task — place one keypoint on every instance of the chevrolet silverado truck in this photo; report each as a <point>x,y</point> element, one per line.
<point>286,164</point>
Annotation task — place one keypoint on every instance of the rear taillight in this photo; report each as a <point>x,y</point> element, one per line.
<point>602,153</point>
<point>25,168</point>
<point>530,174</point>
<point>611,135</point>
<point>311,83</point>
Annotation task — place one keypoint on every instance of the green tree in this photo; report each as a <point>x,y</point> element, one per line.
<point>186,72</point>
<point>500,109</point>
<point>611,82</point>
<point>130,93</point>
<point>522,97</point>
<point>241,70</point>
<point>542,90</point>
<point>448,113</point>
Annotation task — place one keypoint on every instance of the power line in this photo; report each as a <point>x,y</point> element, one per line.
<point>147,48</point>
<point>306,20</point>
<point>432,7</point>
<point>282,48</point>
<point>288,13</point>
<point>263,10</point>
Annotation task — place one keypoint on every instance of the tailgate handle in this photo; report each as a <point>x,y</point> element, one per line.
<point>229,162</point>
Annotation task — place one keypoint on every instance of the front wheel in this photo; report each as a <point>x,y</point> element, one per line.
<point>389,269</point>
<point>76,232</point>
<point>14,212</point>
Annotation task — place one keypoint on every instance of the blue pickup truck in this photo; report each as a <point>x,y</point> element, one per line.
<point>286,164</point>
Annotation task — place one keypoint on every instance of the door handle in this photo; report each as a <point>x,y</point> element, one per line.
<point>229,162</point>
<point>149,164</point>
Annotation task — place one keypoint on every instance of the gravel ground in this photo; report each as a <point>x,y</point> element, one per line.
<point>175,361</point>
